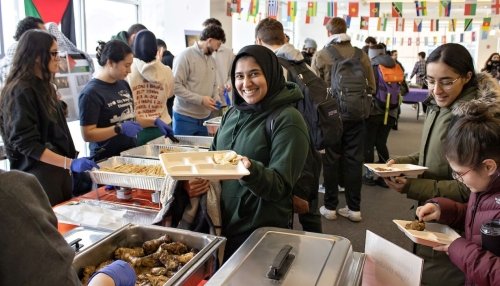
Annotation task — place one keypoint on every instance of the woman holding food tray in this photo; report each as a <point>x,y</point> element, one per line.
<point>264,197</point>
<point>451,79</point>
<point>471,147</point>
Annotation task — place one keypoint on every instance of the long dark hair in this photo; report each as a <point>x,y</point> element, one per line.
<point>458,58</point>
<point>33,50</point>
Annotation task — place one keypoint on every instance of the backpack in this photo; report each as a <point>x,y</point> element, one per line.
<point>318,108</point>
<point>349,85</point>
<point>307,184</point>
<point>388,86</point>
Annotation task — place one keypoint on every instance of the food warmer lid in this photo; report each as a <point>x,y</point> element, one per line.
<point>275,256</point>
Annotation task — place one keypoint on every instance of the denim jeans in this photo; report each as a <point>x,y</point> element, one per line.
<point>186,125</point>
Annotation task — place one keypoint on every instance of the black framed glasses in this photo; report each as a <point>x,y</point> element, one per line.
<point>445,84</point>
<point>460,176</point>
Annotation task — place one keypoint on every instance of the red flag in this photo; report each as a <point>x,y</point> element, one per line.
<point>364,23</point>
<point>374,9</point>
<point>353,9</point>
<point>51,10</point>
<point>495,7</point>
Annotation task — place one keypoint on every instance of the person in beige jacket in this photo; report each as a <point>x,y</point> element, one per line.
<point>152,83</point>
<point>344,163</point>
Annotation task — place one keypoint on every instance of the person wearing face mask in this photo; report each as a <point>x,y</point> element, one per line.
<point>492,66</point>
<point>106,103</point>
<point>196,87</point>
<point>264,197</point>
<point>452,80</point>
<point>309,49</point>
<point>32,123</point>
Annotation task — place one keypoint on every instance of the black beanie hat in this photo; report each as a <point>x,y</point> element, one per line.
<point>144,46</point>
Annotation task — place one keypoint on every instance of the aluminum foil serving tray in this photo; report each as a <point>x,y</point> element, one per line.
<point>152,151</point>
<point>189,141</point>
<point>127,180</point>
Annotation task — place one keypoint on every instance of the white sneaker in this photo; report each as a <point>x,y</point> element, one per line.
<point>328,214</point>
<point>341,189</point>
<point>351,215</point>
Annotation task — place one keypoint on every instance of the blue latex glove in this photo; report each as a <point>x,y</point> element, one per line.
<point>130,128</point>
<point>120,271</point>
<point>82,164</point>
<point>164,127</point>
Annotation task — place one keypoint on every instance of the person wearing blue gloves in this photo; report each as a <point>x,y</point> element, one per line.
<point>32,123</point>
<point>23,200</point>
<point>106,103</point>
<point>152,84</point>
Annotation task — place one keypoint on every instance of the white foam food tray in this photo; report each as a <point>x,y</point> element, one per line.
<point>191,165</point>
<point>395,170</point>
<point>152,151</point>
<point>435,234</point>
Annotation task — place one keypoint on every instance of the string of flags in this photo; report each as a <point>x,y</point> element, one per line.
<point>273,8</point>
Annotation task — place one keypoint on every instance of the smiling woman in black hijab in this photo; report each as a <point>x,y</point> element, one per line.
<point>263,198</point>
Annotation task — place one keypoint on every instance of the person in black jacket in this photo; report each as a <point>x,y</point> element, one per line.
<point>32,124</point>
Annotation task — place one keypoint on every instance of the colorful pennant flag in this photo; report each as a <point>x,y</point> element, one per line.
<point>435,40</point>
<point>444,8</point>
<point>434,25</point>
<point>470,7</point>
<point>331,9</point>
<point>353,9</point>
<point>443,40</point>
<point>347,20</point>
<point>452,25</point>
<point>236,6</point>
<point>397,9</point>
<point>417,25</point>
<point>382,24</point>
<point>421,8</point>
<point>364,22</point>
<point>486,24</point>
<point>253,8</point>
<point>495,7</point>
<point>375,9</point>
<point>291,11</point>
<point>272,8</point>
<point>400,24</point>
<point>312,10</point>
<point>468,24</point>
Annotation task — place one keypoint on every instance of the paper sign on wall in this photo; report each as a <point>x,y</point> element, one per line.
<point>389,264</point>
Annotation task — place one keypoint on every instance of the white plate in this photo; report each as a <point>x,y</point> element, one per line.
<point>434,234</point>
<point>395,170</point>
<point>190,165</point>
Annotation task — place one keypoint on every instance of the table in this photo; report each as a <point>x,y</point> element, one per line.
<point>416,96</point>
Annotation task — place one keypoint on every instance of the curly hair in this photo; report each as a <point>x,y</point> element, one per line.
<point>26,24</point>
<point>214,32</point>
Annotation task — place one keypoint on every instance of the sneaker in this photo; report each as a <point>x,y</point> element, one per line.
<point>341,189</point>
<point>351,215</point>
<point>328,214</point>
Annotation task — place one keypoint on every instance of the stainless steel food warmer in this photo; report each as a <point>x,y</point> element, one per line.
<point>275,256</point>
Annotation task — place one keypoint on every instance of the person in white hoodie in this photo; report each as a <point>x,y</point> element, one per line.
<point>152,83</point>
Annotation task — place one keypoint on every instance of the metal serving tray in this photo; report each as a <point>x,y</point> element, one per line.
<point>313,259</point>
<point>184,140</point>
<point>127,180</point>
<point>81,238</point>
<point>200,267</point>
<point>152,151</point>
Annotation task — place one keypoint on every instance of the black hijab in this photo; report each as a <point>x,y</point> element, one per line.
<point>273,73</point>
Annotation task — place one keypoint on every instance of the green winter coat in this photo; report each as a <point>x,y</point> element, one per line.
<point>263,198</point>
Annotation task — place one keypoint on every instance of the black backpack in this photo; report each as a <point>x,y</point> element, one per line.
<point>349,85</point>
<point>318,108</point>
<point>307,185</point>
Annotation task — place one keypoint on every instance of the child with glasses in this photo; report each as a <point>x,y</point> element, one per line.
<point>472,149</point>
<point>452,79</point>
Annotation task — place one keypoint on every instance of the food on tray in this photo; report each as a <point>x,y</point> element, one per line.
<point>154,263</point>
<point>147,170</point>
<point>225,158</point>
<point>415,225</point>
<point>383,169</point>
<point>167,150</point>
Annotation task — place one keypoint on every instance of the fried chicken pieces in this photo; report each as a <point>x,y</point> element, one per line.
<point>154,263</point>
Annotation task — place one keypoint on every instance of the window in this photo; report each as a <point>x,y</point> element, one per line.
<point>105,18</point>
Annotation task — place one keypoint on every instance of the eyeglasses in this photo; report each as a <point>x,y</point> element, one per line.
<point>460,176</point>
<point>54,54</point>
<point>446,84</point>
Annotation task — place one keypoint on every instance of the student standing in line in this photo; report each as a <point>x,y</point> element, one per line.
<point>492,66</point>
<point>32,123</point>
<point>152,83</point>
<point>452,80</point>
<point>472,149</point>
<point>106,103</point>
